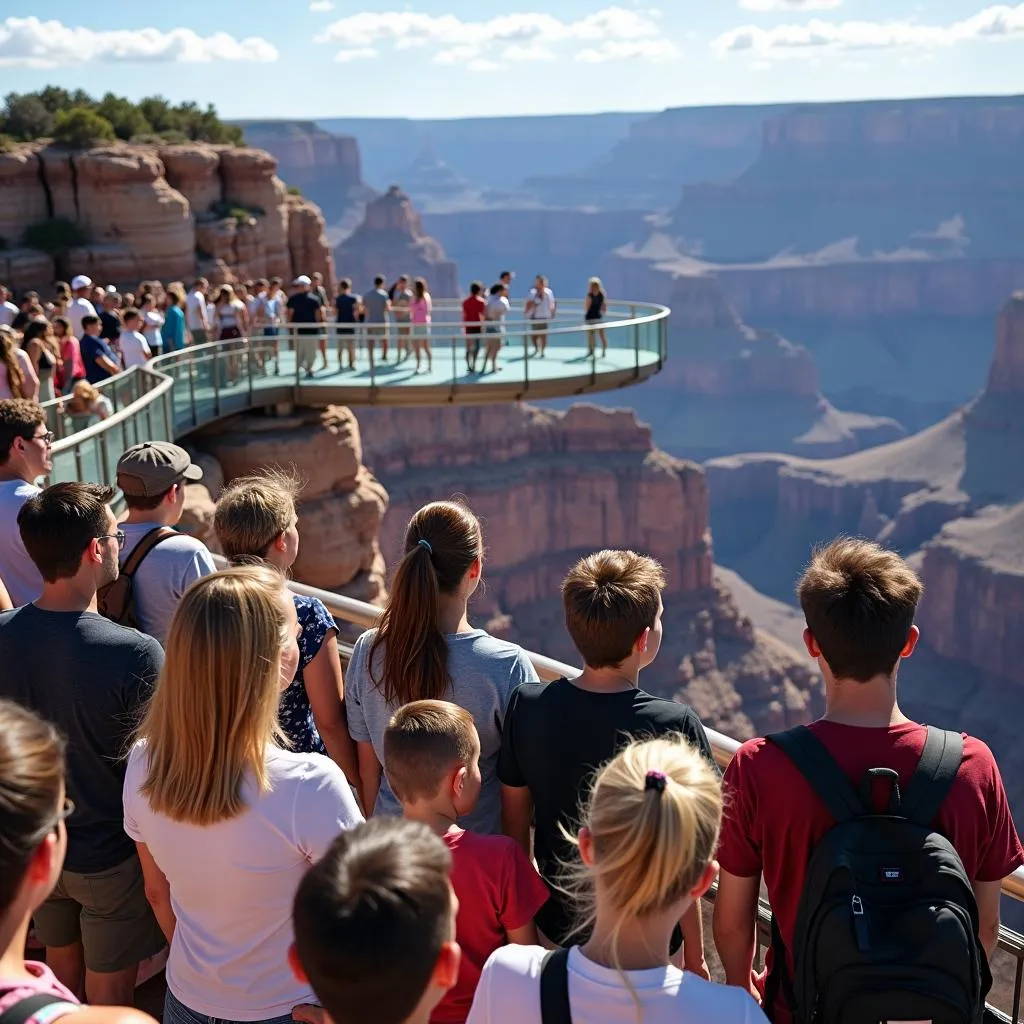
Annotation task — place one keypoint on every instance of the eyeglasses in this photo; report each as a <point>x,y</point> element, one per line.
<point>119,537</point>
<point>64,813</point>
<point>48,438</point>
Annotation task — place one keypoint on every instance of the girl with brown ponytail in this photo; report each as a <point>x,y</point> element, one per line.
<point>426,649</point>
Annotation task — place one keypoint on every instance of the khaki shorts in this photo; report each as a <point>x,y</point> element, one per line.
<point>107,912</point>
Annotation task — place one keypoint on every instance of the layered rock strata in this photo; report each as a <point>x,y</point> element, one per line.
<point>169,213</point>
<point>550,487</point>
<point>391,241</point>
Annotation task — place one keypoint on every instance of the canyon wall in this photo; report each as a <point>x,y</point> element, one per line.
<point>147,212</point>
<point>391,241</point>
<point>550,487</point>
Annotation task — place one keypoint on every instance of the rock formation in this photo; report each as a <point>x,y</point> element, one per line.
<point>730,388</point>
<point>550,487</point>
<point>341,505</point>
<point>325,167</point>
<point>391,241</point>
<point>149,212</point>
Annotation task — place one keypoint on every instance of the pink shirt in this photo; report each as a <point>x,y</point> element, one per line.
<point>42,982</point>
<point>420,309</point>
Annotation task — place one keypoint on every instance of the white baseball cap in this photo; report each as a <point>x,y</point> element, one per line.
<point>302,279</point>
<point>80,282</point>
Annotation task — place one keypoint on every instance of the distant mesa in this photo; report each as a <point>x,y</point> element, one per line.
<point>391,241</point>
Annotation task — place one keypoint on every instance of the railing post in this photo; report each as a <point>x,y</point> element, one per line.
<point>526,363</point>
<point>451,393</point>
<point>190,366</point>
<point>248,365</point>
<point>636,344</point>
<point>216,381</point>
<point>104,461</point>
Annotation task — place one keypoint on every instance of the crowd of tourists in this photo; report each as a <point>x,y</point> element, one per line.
<point>88,332</point>
<point>436,835</point>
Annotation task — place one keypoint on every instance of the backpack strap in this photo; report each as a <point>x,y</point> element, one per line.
<point>930,784</point>
<point>819,768</point>
<point>25,1009</point>
<point>143,548</point>
<point>554,988</point>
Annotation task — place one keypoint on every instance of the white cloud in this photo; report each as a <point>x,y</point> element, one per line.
<point>320,6</point>
<point>29,42</point>
<point>613,33</point>
<point>817,37</point>
<point>360,53</point>
<point>789,5</point>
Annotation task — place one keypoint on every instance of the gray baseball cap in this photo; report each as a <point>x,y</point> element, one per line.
<point>153,467</point>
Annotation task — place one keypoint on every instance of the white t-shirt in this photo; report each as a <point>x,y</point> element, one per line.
<point>77,308</point>
<point>497,307</point>
<point>17,570</point>
<point>134,348</point>
<point>8,311</point>
<point>165,574</point>
<point>543,304</point>
<point>195,303</point>
<point>232,884</point>
<point>509,993</point>
<point>154,321</point>
<point>228,313</point>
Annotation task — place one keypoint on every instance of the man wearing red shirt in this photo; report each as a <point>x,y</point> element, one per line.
<point>473,315</point>
<point>859,601</point>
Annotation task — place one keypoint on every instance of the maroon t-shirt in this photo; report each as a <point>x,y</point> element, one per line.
<point>498,890</point>
<point>473,309</point>
<point>774,819</point>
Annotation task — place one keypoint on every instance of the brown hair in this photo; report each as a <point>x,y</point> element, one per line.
<point>19,417</point>
<point>254,510</point>
<point>41,331</point>
<point>59,523</point>
<point>144,503</point>
<point>420,288</point>
<point>31,776</point>
<point>423,742</point>
<point>441,542</point>
<point>8,356</point>
<point>859,601</point>
<point>610,598</point>
<point>371,918</point>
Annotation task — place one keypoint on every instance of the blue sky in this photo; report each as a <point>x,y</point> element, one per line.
<point>452,58</point>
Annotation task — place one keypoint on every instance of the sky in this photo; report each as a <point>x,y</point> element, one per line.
<point>458,58</point>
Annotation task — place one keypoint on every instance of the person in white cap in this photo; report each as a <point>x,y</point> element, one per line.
<point>152,476</point>
<point>305,307</point>
<point>80,305</point>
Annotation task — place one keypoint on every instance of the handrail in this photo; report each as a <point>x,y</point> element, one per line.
<point>360,613</point>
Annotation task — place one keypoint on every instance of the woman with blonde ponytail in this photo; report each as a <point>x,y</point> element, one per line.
<point>425,649</point>
<point>646,853</point>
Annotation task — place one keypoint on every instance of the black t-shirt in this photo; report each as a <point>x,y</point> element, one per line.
<point>346,307</point>
<point>110,325</point>
<point>90,677</point>
<point>305,307</point>
<point>555,738</point>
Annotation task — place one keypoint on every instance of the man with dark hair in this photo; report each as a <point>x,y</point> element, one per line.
<point>374,925</point>
<point>152,477</point>
<point>376,310</point>
<point>859,602</point>
<point>613,613</point>
<point>348,307</point>
<point>24,457</point>
<point>100,360</point>
<point>91,678</point>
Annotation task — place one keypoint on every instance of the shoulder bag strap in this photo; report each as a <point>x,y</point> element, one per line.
<point>930,784</point>
<point>25,1009</point>
<point>820,770</point>
<point>143,548</point>
<point>554,988</point>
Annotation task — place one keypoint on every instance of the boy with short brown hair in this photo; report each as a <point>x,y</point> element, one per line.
<point>431,757</point>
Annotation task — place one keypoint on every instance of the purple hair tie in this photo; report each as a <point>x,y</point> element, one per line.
<point>656,781</point>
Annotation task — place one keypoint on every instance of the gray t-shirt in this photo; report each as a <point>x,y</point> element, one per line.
<point>484,671</point>
<point>165,574</point>
<point>376,304</point>
<point>401,304</point>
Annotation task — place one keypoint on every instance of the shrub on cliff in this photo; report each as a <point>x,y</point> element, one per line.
<point>81,128</point>
<point>26,117</point>
<point>54,236</point>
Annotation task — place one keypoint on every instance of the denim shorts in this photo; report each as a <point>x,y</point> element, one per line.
<point>176,1012</point>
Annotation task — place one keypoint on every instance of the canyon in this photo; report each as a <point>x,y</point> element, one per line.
<point>140,212</point>
<point>548,487</point>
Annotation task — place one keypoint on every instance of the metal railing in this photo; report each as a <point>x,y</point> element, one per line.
<point>359,613</point>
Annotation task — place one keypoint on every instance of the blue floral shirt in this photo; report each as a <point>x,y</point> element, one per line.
<point>296,714</point>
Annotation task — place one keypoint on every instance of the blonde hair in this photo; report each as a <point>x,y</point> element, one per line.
<point>213,713</point>
<point>597,281</point>
<point>651,846</point>
<point>254,510</point>
<point>83,395</point>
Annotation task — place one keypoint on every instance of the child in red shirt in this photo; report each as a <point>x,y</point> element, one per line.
<point>431,758</point>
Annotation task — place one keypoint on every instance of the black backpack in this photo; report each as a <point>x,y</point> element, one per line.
<point>887,928</point>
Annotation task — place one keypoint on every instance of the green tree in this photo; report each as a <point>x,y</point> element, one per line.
<point>125,117</point>
<point>80,127</point>
<point>56,99</point>
<point>26,117</point>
